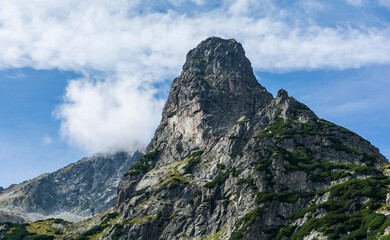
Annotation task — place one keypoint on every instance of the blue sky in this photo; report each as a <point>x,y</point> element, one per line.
<point>80,77</point>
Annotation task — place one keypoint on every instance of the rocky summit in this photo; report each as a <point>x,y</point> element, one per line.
<point>230,161</point>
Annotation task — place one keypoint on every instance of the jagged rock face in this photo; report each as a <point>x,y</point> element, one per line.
<point>80,190</point>
<point>229,161</point>
<point>215,87</point>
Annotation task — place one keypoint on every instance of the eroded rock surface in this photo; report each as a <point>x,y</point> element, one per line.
<point>75,192</point>
<point>229,161</point>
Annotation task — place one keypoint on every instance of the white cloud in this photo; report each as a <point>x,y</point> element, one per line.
<point>46,140</point>
<point>358,3</point>
<point>115,114</point>
<point>384,3</point>
<point>312,5</point>
<point>355,2</point>
<point>92,35</point>
<point>15,75</point>
<point>181,2</point>
<point>139,49</point>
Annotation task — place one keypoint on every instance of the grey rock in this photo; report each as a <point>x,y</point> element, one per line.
<point>5,217</point>
<point>75,192</point>
<point>230,161</point>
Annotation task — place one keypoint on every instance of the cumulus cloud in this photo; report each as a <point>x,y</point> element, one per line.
<point>110,115</point>
<point>96,35</point>
<point>133,46</point>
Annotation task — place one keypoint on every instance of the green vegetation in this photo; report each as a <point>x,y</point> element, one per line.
<point>221,166</point>
<point>199,60</point>
<point>191,164</point>
<point>197,194</point>
<point>280,129</point>
<point>248,181</point>
<point>232,137</point>
<point>300,108</point>
<point>196,154</point>
<point>172,182</point>
<point>143,164</point>
<point>173,112</point>
<point>108,217</point>
<point>39,237</point>
<point>289,197</point>
<point>345,216</point>
<point>220,178</point>
<point>264,165</point>
<point>245,222</point>
<point>236,236</point>
<point>193,161</point>
<point>259,149</point>
<point>369,159</point>
<point>226,203</point>
<point>16,232</point>
<point>274,128</point>
<point>319,171</point>
<point>241,121</point>
<point>285,231</point>
<point>93,231</point>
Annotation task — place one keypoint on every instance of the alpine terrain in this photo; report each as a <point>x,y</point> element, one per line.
<point>230,161</point>
<point>77,191</point>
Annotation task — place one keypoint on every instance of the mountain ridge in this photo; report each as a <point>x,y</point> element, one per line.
<point>74,192</point>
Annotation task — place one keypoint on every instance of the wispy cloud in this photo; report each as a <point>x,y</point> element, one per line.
<point>135,44</point>
<point>355,2</point>
<point>14,75</point>
<point>359,3</point>
<point>384,3</point>
<point>46,140</point>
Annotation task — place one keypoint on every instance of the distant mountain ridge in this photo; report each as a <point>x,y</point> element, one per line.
<point>77,191</point>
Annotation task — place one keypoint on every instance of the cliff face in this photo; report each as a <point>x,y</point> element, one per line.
<point>79,190</point>
<point>229,161</point>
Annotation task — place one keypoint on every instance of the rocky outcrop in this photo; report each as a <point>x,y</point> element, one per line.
<point>229,161</point>
<point>75,192</point>
<point>5,217</point>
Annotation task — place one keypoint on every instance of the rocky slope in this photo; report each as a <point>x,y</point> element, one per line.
<point>230,161</point>
<point>77,191</point>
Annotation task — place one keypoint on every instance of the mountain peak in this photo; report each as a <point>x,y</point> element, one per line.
<point>215,89</point>
<point>221,61</point>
